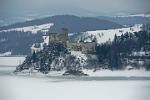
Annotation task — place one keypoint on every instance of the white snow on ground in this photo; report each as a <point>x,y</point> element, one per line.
<point>91,73</point>
<point>103,36</point>
<point>15,87</point>
<point>15,61</point>
<point>46,40</point>
<point>140,53</point>
<point>11,61</point>
<point>79,55</point>
<point>120,73</point>
<point>34,29</point>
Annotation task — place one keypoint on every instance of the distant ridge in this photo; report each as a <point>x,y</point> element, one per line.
<point>128,20</point>
<point>73,23</point>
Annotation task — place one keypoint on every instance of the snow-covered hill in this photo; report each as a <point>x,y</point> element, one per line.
<point>135,15</point>
<point>142,15</point>
<point>34,29</point>
<point>103,36</point>
<point>73,23</point>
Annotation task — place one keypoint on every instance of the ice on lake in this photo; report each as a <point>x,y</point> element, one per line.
<point>105,87</point>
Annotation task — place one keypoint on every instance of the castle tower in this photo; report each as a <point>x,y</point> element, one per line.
<point>65,33</point>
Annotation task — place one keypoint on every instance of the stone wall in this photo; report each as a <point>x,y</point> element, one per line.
<point>83,47</point>
<point>63,37</point>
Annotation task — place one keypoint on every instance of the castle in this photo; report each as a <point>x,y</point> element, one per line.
<point>63,37</point>
<point>84,47</point>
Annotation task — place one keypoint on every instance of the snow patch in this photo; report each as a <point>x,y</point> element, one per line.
<point>78,54</point>
<point>103,36</point>
<point>46,40</point>
<point>119,73</point>
<point>34,29</point>
<point>135,15</point>
<point>82,57</point>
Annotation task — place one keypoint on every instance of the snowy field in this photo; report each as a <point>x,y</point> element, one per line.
<point>102,36</point>
<point>34,29</point>
<point>47,87</point>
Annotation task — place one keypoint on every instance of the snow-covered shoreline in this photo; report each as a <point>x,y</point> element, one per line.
<point>125,74</point>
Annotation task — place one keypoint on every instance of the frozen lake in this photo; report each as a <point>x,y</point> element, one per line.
<point>11,60</point>
<point>25,87</point>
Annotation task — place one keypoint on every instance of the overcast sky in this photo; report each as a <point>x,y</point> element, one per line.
<point>74,7</point>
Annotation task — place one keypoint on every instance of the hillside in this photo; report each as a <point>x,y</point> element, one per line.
<point>73,23</point>
<point>19,40</point>
<point>103,36</point>
<point>19,37</point>
<point>128,50</point>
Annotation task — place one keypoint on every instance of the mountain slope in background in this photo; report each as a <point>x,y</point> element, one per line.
<point>73,23</point>
<point>18,38</point>
<point>129,20</point>
<point>103,36</point>
<point>44,28</point>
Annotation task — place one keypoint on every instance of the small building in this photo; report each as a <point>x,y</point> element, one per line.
<point>36,48</point>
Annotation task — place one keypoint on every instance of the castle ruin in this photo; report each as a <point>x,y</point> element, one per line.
<point>84,47</point>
